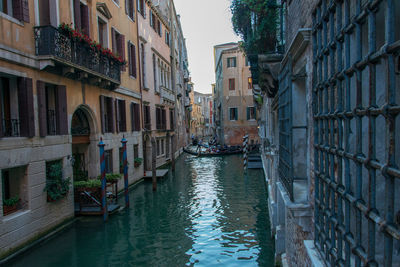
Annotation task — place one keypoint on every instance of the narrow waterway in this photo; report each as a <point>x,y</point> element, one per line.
<point>206,214</point>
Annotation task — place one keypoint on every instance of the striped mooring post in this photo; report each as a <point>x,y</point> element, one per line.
<point>103,180</point>
<point>245,150</point>
<point>125,162</point>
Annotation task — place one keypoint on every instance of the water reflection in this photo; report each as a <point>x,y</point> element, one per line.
<point>206,214</point>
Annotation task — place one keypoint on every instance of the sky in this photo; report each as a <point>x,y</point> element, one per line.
<point>205,23</point>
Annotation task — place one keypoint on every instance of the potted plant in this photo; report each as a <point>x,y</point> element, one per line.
<point>137,162</point>
<point>89,185</point>
<point>111,177</point>
<point>56,187</point>
<point>10,205</point>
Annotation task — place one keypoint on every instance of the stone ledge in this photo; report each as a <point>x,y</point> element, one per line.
<point>313,254</point>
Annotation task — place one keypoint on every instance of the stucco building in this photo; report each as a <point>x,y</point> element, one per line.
<point>235,112</point>
<point>60,93</point>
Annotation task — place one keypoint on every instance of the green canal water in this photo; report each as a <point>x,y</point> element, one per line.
<point>207,213</point>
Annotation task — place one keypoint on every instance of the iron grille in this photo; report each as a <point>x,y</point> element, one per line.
<point>356,132</point>
<point>285,129</point>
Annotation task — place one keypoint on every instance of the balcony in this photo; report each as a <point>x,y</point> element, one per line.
<point>167,96</point>
<point>59,53</point>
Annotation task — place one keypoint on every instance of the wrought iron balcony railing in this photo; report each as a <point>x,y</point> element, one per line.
<point>11,127</point>
<point>99,69</point>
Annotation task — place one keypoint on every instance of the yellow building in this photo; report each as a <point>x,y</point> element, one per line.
<point>60,93</point>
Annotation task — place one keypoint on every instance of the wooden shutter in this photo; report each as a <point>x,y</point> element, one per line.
<point>102,113</point>
<point>133,59</point>
<point>25,107</point>
<point>248,113</point>
<point>122,115</point>
<point>151,18</point>
<point>133,117</point>
<point>137,117</point>
<point>130,59</point>
<point>77,14</point>
<point>85,20</point>
<point>236,114</point>
<point>117,115</point>
<point>163,118</point>
<point>127,7</point>
<point>42,108</point>
<point>121,48</point>
<point>62,112</point>
<point>113,40</point>
<point>21,10</point>
<point>143,8</point>
<point>111,115</point>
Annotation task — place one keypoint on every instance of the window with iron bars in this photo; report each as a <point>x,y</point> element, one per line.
<point>356,132</point>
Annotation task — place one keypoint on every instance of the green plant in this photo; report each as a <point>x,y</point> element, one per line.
<point>138,160</point>
<point>56,187</point>
<point>256,22</point>
<point>87,184</point>
<point>11,201</point>
<point>111,177</point>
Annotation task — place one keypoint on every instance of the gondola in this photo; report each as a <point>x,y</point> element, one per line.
<point>212,154</point>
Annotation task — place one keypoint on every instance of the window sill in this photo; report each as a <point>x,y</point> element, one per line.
<point>132,77</point>
<point>146,89</point>
<point>15,215</point>
<point>12,19</point>
<point>131,19</point>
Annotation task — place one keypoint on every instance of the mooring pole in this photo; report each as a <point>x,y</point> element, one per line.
<point>125,160</point>
<point>173,152</point>
<point>245,151</point>
<point>153,163</point>
<point>103,180</point>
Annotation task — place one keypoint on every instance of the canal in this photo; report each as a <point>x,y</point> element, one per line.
<point>205,214</point>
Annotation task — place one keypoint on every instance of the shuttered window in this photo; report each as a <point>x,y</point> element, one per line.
<point>132,60</point>
<point>18,9</point>
<point>135,117</point>
<point>118,45</point>
<point>251,113</point>
<point>52,107</point>
<point>171,119</point>
<point>233,114</point>
<point>147,117</point>
<point>107,111</point>
<point>120,115</point>
<point>232,84</point>
<point>141,6</point>
<point>231,62</point>
<point>82,17</point>
<point>130,9</point>
<point>16,107</point>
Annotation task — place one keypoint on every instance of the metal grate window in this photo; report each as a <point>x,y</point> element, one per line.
<point>356,131</point>
<point>285,129</point>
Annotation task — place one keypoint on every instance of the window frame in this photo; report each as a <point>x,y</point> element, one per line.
<point>236,113</point>
<point>230,84</point>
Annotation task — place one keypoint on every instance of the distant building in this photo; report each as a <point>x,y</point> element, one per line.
<point>202,113</point>
<point>235,113</point>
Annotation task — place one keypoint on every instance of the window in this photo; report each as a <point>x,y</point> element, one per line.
<point>232,84</point>
<point>130,9</point>
<point>147,117</point>
<point>247,62</point>
<point>135,117</point>
<point>251,113</point>
<point>107,110</point>
<point>47,15</point>
<point>16,9</point>
<point>152,18</point>
<point>81,17</point>
<point>159,27</point>
<point>160,118</point>
<point>141,7</point>
<point>233,114</point>
<point>118,44</point>
<point>158,147</point>
<point>102,33</point>
<point>231,62</point>
<point>16,107</point>
<point>132,59</point>
<point>108,161</point>
<point>250,83</point>
<point>162,147</point>
<point>155,73</point>
<point>14,184</point>
<point>52,106</point>
<point>167,37</point>
<point>120,115</point>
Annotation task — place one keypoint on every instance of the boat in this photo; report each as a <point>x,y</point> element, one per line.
<point>212,154</point>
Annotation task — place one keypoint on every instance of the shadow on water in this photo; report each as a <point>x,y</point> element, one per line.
<point>207,213</point>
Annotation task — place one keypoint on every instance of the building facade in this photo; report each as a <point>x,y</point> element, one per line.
<point>61,91</point>
<point>329,133</point>
<point>235,112</point>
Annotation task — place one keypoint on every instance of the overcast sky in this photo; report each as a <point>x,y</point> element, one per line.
<point>205,23</point>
